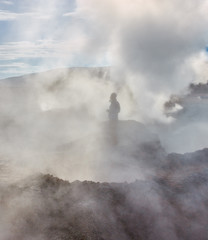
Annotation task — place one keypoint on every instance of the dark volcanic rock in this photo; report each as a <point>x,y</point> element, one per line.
<point>45,207</point>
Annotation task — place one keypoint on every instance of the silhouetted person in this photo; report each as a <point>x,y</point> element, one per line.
<point>113,111</point>
<point>114,108</point>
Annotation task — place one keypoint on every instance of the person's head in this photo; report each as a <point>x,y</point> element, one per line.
<point>113,97</point>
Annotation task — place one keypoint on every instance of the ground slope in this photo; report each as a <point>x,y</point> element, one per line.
<point>44,207</point>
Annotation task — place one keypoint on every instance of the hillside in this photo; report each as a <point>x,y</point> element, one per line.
<point>66,174</point>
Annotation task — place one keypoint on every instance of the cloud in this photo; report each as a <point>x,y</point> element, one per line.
<point>151,43</point>
<point>14,64</point>
<point>11,16</point>
<point>39,49</point>
<point>69,14</point>
<point>8,16</point>
<point>7,2</point>
<point>19,58</point>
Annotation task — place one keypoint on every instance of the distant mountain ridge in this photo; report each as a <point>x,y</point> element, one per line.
<point>94,71</point>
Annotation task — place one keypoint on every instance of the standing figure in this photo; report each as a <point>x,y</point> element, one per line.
<point>114,108</point>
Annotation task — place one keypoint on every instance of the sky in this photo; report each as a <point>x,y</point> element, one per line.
<point>39,35</point>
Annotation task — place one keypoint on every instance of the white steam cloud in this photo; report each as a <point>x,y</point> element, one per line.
<point>55,122</point>
<point>154,48</point>
<point>151,42</point>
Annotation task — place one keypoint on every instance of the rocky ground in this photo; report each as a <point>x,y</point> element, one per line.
<point>171,205</point>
